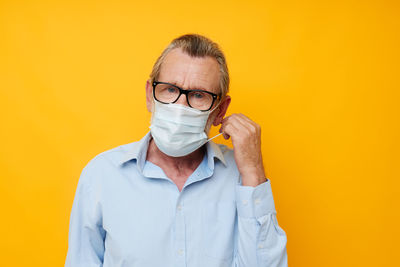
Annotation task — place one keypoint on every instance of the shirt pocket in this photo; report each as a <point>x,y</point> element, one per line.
<point>218,222</point>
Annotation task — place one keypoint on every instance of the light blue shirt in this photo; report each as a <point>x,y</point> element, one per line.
<point>128,213</point>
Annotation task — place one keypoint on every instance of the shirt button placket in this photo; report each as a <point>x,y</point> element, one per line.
<point>180,235</point>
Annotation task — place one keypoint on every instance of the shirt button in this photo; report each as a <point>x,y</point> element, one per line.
<point>179,207</point>
<point>257,201</point>
<point>260,246</point>
<point>245,202</point>
<point>180,252</point>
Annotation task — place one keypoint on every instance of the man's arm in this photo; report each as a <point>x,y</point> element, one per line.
<point>86,234</point>
<point>261,242</point>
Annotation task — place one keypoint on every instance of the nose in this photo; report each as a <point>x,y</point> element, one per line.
<point>182,100</point>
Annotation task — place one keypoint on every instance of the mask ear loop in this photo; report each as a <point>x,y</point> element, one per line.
<point>209,112</point>
<point>213,137</point>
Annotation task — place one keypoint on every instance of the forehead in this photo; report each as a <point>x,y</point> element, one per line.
<point>190,72</point>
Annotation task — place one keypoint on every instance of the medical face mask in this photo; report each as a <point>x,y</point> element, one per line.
<point>179,130</point>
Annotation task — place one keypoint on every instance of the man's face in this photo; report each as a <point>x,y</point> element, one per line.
<point>188,73</point>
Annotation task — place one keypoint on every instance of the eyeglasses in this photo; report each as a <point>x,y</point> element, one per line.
<point>168,93</point>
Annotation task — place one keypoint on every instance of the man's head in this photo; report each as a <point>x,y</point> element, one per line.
<point>193,62</point>
<point>196,46</point>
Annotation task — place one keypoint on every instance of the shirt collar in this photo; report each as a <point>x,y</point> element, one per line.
<point>138,151</point>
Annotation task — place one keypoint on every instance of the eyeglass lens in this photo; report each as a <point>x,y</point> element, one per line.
<point>198,99</point>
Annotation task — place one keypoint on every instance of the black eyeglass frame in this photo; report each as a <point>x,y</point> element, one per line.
<point>185,92</point>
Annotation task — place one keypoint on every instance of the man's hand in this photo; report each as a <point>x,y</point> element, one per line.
<point>246,140</point>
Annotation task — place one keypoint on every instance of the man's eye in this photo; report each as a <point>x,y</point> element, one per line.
<point>171,90</point>
<point>198,95</point>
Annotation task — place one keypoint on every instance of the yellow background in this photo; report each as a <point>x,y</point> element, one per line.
<point>320,77</point>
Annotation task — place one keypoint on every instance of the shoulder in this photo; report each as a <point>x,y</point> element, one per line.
<point>105,162</point>
<point>111,156</point>
<point>224,149</point>
<point>225,154</point>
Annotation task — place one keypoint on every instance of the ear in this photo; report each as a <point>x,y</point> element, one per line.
<point>149,96</point>
<point>223,107</point>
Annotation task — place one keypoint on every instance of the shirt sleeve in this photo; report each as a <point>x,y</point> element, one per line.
<point>261,242</point>
<point>86,234</point>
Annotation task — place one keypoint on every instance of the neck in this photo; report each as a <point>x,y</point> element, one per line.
<point>178,165</point>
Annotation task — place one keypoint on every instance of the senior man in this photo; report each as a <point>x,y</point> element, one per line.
<point>175,198</point>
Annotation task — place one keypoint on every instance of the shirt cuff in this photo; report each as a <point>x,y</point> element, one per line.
<point>254,202</point>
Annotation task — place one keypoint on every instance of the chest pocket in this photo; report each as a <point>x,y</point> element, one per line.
<point>218,221</point>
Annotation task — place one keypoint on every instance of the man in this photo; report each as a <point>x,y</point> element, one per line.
<point>175,198</point>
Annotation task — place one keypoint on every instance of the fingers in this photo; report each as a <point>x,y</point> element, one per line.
<point>249,124</point>
<point>229,127</point>
<point>225,135</point>
<point>239,125</point>
<point>239,122</point>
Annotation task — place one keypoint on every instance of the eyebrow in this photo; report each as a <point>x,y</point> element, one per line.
<point>196,88</point>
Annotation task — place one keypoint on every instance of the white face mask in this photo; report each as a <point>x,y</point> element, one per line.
<point>179,130</point>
